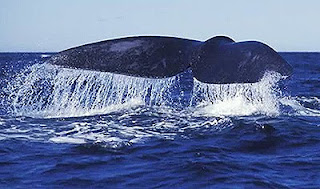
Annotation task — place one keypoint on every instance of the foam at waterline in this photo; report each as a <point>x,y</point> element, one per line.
<point>45,90</point>
<point>296,107</point>
<point>119,129</point>
<point>45,55</point>
<point>128,129</point>
<point>238,99</point>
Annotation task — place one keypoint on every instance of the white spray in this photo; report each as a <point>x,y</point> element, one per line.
<point>45,90</point>
<point>238,99</point>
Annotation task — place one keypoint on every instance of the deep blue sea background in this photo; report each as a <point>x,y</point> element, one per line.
<point>63,128</point>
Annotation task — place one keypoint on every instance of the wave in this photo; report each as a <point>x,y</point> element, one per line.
<point>298,106</point>
<point>45,90</point>
<point>114,130</point>
<point>239,99</point>
<point>262,98</point>
<point>45,55</point>
<point>49,91</point>
<point>123,110</point>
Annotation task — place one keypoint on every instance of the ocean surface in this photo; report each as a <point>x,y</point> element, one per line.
<point>72,128</point>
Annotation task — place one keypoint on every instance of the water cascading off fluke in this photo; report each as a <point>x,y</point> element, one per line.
<point>51,91</point>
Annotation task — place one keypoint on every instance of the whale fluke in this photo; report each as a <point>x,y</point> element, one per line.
<point>153,57</point>
<point>222,60</point>
<point>217,60</point>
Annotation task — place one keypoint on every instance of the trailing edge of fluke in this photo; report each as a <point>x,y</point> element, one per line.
<point>218,60</point>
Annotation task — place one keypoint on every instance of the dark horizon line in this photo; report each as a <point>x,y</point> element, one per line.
<point>52,52</point>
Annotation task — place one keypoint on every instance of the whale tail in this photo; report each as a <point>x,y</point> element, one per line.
<point>217,60</point>
<point>221,60</point>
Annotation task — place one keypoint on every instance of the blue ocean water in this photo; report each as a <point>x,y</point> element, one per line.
<point>65,128</point>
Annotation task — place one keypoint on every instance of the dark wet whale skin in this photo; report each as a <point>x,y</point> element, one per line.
<point>217,60</point>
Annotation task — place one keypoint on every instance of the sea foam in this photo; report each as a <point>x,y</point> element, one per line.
<point>45,90</point>
<point>241,99</point>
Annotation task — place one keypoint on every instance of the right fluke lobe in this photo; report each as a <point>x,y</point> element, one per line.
<point>221,60</point>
